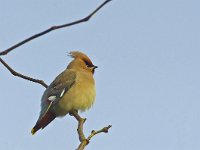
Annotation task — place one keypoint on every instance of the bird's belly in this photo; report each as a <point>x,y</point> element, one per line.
<point>79,97</point>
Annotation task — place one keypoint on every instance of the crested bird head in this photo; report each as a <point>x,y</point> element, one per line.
<point>81,62</point>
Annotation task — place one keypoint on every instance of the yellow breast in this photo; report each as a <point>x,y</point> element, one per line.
<point>81,96</point>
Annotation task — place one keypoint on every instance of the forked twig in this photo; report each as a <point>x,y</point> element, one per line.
<point>85,141</point>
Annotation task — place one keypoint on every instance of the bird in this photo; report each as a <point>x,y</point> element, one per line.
<point>71,90</point>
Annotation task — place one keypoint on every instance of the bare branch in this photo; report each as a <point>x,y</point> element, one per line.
<point>103,130</point>
<point>81,121</point>
<point>23,76</point>
<point>85,141</point>
<point>4,52</point>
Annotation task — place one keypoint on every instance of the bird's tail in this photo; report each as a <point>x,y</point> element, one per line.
<point>43,122</point>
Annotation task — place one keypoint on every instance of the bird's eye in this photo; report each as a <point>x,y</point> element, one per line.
<point>87,64</point>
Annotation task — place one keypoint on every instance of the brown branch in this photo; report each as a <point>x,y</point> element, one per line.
<point>4,52</point>
<point>85,141</point>
<point>81,121</point>
<point>93,133</point>
<point>23,76</point>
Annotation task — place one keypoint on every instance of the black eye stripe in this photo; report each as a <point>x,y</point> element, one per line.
<point>88,64</point>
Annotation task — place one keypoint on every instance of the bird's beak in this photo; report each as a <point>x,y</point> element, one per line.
<point>95,67</point>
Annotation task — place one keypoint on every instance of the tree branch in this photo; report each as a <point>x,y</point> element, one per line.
<point>85,141</point>
<point>23,76</point>
<point>81,121</point>
<point>87,18</point>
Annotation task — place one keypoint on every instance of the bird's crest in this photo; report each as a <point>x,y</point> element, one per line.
<point>85,58</point>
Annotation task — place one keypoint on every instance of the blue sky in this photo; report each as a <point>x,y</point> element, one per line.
<point>147,82</point>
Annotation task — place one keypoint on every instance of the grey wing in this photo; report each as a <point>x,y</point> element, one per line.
<point>56,90</point>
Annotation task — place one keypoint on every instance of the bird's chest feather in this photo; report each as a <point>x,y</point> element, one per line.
<point>81,96</point>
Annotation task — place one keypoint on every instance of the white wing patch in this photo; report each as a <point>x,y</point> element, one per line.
<point>52,98</point>
<point>62,93</point>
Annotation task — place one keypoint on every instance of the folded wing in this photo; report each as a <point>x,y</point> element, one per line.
<point>51,97</point>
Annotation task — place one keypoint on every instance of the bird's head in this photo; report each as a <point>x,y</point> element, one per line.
<point>81,62</point>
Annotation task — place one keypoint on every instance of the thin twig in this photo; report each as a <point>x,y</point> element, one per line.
<point>21,75</point>
<point>93,133</point>
<point>4,52</point>
<point>85,141</point>
<point>103,130</point>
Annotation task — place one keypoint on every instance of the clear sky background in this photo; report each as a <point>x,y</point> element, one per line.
<point>148,80</point>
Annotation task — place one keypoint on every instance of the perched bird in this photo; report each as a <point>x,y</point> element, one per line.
<point>73,89</point>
